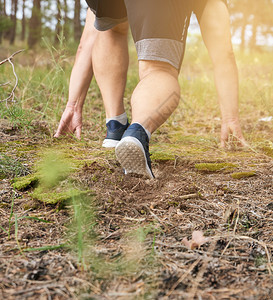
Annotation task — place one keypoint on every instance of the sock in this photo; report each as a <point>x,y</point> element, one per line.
<point>121,119</point>
<point>146,130</point>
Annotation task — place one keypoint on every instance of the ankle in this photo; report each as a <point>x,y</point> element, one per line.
<point>123,119</point>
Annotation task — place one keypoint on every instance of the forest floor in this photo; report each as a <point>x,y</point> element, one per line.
<point>73,226</point>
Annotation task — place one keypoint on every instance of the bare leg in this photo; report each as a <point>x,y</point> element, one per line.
<point>80,80</point>
<point>153,101</point>
<point>110,62</point>
<point>156,95</point>
<point>215,28</point>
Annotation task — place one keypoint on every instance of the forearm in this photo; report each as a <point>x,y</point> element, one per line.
<point>82,71</point>
<point>80,80</point>
<point>226,81</point>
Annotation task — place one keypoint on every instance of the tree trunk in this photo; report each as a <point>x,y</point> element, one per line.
<point>58,26</point>
<point>254,34</point>
<point>66,20</point>
<point>6,30</point>
<point>243,32</point>
<point>35,24</point>
<point>4,8</point>
<point>77,20</point>
<point>23,33</point>
<point>13,18</point>
<point>1,17</point>
<point>243,37</point>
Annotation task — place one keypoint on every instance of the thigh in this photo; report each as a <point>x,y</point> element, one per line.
<point>215,28</point>
<point>108,13</point>
<point>159,29</point>
<point>198,7</point>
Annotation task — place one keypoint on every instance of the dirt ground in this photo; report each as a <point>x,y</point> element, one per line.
<point>235,214</point>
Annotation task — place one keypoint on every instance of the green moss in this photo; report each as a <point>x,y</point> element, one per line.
<point>95,178</point>
<point>31,205</point>
<point>23,183</point>
<point>56,197</point>
<point>162,156</point>
<point>214,167</point>
<point>268,150</point>
<point>240,175</point>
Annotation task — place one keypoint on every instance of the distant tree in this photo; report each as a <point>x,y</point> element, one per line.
<point>23,32</point>
<point>35,25</point>
<point>257,14</point>
<point>3,8</point>
<point>5,22</point>
<point>58,17</point>
<point>77,20</point>
<point>266,18</point>
<point>13,18</point>
<point>66,20</point>
<point>1,18</point>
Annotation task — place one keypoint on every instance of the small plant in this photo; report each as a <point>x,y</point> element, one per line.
<point>16,115</point>
<point>81,234</point>
<point>10,167</point>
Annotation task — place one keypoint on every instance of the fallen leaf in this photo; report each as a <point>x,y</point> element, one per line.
<point>197,240</point>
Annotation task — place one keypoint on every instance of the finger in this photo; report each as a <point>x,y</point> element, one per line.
<point>60,131</point>
<point>63,129</point>
<point>243,142</point>
<point>224,138</point>
<point>237,133</point>
<point>223,144</point>
<point>78,132</point>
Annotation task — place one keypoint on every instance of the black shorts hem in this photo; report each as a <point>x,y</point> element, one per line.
<point>103,24</point>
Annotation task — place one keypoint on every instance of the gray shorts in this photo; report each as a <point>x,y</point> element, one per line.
<point>159,27</point>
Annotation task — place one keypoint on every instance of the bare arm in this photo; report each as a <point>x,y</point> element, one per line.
<point>81,76</point>
<point>215,28</point>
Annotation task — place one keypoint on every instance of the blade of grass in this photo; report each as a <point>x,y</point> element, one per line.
<point>11,213</point>
<point>16,233</point>
<point>33,218</point>
<point>4,229</point>
<point>45,248</point>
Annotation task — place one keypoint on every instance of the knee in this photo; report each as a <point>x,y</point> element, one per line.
<point>146,67</point>
<point>87,42</point>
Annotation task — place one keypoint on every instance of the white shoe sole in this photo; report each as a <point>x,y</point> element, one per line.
<point>108,143</point>
<point>131,156</point>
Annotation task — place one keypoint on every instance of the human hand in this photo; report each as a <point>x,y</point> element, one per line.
<point>70,123</point>
<point>231,134</point>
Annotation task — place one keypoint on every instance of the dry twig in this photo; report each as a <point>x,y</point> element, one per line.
<point>11,96</point>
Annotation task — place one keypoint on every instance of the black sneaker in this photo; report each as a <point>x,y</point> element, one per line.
<point>115,131</point>
<point>132,151</point>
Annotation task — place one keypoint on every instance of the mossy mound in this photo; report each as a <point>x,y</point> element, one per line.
<point>240,175</point>
<point>26,182</point>
<point>268,150</point>
<point>56,197</point>
<point>214,167</point>
<point>162,156</point>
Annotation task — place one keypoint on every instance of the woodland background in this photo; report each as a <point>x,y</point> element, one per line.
<point>29,21</point>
